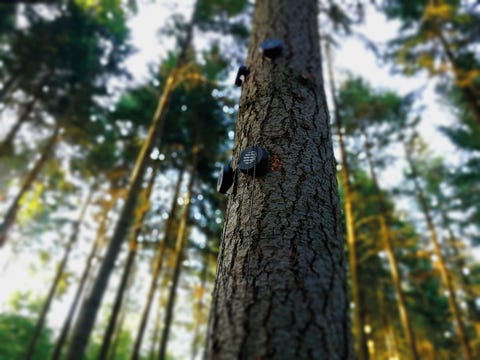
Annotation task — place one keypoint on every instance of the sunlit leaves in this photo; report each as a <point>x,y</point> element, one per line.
<point>31,204</point>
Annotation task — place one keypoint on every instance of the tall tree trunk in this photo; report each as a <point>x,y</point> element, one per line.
<point>459,263</point>
<point>126,275</point>
<point>92,303</point>
<point>7,86</point>
<point>57,351</point>
<point>118,331</point>
<point>468,90</point>
<point>280,290</point>
<point>358,310</point>
<point>157,268</point>
<point>60,271</point>
<point>156,330</point>
<point>445,273</point>
<point>199,306</point>
<point>7,143</point>
<point>179,249</point>
<point>391,341</point>
<point>11,214</point>
<point>392,258</point>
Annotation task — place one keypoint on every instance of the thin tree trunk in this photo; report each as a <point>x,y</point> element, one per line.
<point>121,321</point>
<point>388,327</point>
<point>156,330</point>
<point>118,332</point>
<point>459,261</point>
<point>57,351</point>
<point>468,91</point>
<point>280,290</point>
<point>179,249</point>
<point>11,214</point>
<point>397,284</point>
<point>60,271</point>
<point>126,275</point>
<point>157,268</point>
<point>7,85</point>
<point>392,258</point>
<point>7,143</point>
<point>199,304</point>
<point>91,305</point>
<point>445,273</point>
<point>358,310</point>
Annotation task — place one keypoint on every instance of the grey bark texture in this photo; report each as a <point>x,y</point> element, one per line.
<point>280,291</point>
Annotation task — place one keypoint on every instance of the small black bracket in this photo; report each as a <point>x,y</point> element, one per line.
<point>272,48</point>
<point>225,179</point>
<point>242,74</point>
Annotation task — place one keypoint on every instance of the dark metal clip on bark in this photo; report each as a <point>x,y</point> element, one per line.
<point>225,179</point>
<point>242,74</point>
<point>272,48</point>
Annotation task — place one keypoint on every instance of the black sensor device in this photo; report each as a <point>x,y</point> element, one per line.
<point>225,179</point>
<point>253,161</point>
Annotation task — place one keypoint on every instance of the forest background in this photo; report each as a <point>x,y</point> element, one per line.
<point>403,82</point>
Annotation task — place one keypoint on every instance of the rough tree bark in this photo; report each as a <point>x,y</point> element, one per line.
<point>280,290</point>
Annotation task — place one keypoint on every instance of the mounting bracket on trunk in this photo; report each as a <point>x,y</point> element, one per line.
<point>225,179</point>
<point>242,74</point>
<point>272,48</point>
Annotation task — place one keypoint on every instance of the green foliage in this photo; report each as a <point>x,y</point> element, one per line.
<point>122,350</point>
<point>25,302</point>
<point>15,333</point>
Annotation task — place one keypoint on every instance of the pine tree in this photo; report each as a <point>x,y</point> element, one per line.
<point>280,284</point>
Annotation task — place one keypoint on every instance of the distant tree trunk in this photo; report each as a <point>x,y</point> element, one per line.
<point>392,258</point>
<point>459,262</point>
<point>7,143</point>
<point>280,290</point>
<point>118,331</point>
<point>393,348</point>
<point>6,88</point>
<point>468,91</point>
<point>57,351</point>
<point>126,275</point>
<point>358,309</point>
<point>179,250</point>
<point>199,306</point>
<point>157,268</point>
<point>92,303</point>
<point>11,214</point>
<point>156,330</point>
<point>445,273</point>
<point>60,271</point>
